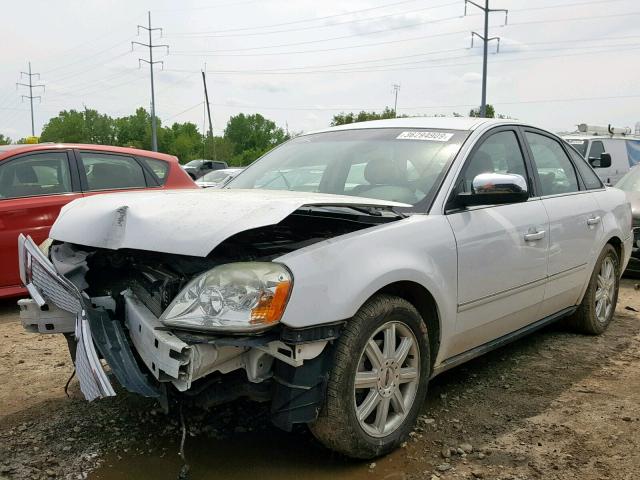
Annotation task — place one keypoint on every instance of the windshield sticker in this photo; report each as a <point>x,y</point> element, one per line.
<point>428,136</point>
<point>575,142</point>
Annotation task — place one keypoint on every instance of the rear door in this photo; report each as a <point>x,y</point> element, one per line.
<point>33,189</point>
<point>575,219</point>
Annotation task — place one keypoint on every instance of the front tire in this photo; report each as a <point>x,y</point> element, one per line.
<point>599,302</point>
<point>378,381</point>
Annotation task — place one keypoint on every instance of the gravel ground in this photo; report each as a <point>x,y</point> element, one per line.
<point>552,406</point>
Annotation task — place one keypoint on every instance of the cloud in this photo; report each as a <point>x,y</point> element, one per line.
<point>402,21</point>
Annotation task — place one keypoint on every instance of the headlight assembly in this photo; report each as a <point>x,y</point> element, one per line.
<point>237,297</point>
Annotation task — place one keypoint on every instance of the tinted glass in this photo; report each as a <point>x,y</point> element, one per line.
<point>106,171</point>
<point>393,164</point>
<point>597,149</point>
<point>35,175</point>
<point>579,145</point>
<point>215,176</point>
<point>631,181</point>
<point>159,167</point>
<point>590,179</point>
<point>555,170</point>
<point>500,153</point>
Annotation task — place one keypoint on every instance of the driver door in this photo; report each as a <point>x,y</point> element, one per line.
<point>502,249</point>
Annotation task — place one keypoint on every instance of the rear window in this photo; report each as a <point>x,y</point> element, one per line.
<point>159,167</point>
<point>579,145</point>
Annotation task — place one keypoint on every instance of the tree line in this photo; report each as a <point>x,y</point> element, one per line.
<point>245,138</point>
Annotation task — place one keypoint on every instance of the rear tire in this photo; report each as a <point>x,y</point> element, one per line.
<point>599,302</point>
<point>378,381</point>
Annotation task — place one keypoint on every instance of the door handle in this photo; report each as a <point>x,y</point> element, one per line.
<point>532,237</point>
<point>593,221</point>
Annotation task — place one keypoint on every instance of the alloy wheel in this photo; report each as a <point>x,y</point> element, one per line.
<point>387,379</point>
<point>605,290</point>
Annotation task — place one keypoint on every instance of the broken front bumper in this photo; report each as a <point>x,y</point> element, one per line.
<point>47,287</point>
<point>59,307</point>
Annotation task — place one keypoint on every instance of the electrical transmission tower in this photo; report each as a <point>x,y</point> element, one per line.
<point>396,89</point>
<point>151,46</point>
<point>31,86</point>
<point>485,40</point>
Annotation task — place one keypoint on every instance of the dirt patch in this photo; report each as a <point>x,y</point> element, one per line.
<point>553,406</point>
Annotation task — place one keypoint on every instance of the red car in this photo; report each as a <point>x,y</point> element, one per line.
<point>36,181</point>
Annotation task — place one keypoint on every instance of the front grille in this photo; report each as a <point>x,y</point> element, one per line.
<point>49,286</point>
<point>46,285</point>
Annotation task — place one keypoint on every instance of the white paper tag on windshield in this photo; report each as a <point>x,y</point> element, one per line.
<point>575,142</point>
<point>424,135</point>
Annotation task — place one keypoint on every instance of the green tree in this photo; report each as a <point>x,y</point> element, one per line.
<point>491,113</point>
<point>346,118</point>
<point>134,130</point>
<point>67,127</point>
<point>251,136</point>
<point>72,126</point>
<point>5,140</point>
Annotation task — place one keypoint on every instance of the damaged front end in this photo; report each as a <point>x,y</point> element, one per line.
<point>180,326</point>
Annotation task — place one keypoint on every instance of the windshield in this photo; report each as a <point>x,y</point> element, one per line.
<point>395,164</point>
<point>216,176</point>
<point>579,145</point>
<point>194,163</point>
<point>631,181</point>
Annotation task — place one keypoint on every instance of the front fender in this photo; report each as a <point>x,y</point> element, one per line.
<point>334,278</point>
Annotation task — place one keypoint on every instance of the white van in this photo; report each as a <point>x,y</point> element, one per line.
<point>620,143</point>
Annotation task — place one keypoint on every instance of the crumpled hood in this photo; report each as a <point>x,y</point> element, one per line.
<point>183,222</point>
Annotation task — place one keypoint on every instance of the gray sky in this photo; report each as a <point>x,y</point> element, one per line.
<point>300,61</point>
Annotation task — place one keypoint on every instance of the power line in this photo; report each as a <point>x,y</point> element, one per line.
<point>305,28</point>
<point>315,19</point>
<point>31,86</point>
<point>151,46</point>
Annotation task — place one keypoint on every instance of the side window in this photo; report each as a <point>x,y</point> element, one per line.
<point>555,170</point>
<point>500,153</point>
<point>590,179</point>
<point>35,175</point>
<point>597,149</point>
<point>159,167</point>
<point>106,171</point>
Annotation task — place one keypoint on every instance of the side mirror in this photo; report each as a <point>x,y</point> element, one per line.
<point>495,189</point>
<point>603,162</point>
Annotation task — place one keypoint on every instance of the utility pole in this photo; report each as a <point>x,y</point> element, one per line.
<point>30,96</point>
<point>151,46</point>
<point>396,89</point>
<point>206,99</point>
<point>485,39</point>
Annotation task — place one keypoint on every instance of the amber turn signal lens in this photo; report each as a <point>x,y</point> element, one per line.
<point>271,307</point>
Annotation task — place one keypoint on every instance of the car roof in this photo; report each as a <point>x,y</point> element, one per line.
<point>9,150</point>
<point>445,123</point>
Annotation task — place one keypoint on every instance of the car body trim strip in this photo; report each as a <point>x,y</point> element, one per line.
<point>499,342</point>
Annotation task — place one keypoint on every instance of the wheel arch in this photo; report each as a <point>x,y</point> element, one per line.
<point>422,299</point>
<point>618,245</point>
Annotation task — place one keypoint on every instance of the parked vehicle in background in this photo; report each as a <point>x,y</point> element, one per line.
<point>36,181</point>
<point>611,151</point>
<point>198,168</point>
<point>386,253</point>
<point>630,184</point>
<point>218,178</point>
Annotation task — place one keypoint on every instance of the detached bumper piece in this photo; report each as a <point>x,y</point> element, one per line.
<point>47,287</point>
